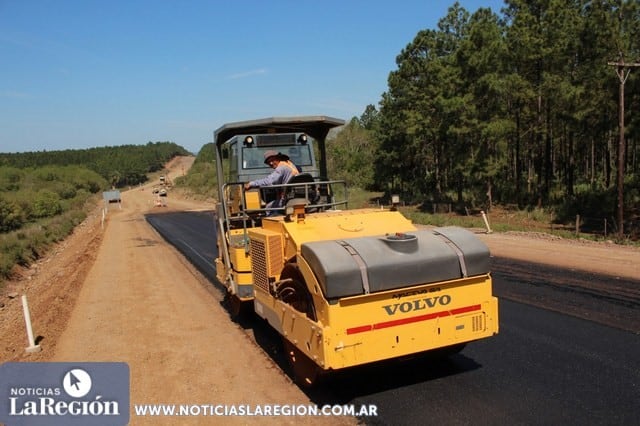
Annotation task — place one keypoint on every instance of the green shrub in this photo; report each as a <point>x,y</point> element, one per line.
<point>31,242</point>
<point>11,215</point>
<point>65,190</point>
<point>10,178</point>
<point>201,179</point>
<point>46,204</point>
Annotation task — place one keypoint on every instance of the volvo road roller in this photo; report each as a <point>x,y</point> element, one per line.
<point>343,287</point>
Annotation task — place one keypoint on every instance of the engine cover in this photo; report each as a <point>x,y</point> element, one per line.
<point>362,265</point>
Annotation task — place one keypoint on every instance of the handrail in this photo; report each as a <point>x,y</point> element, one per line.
<point>245,213</point>
<point>249,217</point>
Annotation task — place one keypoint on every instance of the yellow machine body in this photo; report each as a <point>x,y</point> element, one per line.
<point>359,329</point>
<point>343,287</point>
<point>234,247</point>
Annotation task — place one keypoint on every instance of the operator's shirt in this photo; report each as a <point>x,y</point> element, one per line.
<point>281,175</point>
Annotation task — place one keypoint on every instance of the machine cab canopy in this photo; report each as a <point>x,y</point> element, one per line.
<point>240,146</point>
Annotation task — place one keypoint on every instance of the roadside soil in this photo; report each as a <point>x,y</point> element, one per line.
<point>600,257</point>
<point>116,291</point>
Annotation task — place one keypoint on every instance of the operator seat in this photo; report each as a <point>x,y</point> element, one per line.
<point>308,192</point>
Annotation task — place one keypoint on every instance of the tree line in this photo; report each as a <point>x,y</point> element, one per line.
<point>121,166</point>
<point>517,108</point>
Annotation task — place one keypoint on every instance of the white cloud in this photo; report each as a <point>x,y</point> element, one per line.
<point>247,74</point>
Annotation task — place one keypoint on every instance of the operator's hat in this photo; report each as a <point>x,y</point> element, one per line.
<point>271,153</point>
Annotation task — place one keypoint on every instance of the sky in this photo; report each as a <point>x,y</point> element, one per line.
<point>79,74</point>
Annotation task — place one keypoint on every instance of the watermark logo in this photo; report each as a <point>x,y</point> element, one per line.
<point>77,383</point>
<point>62,393</point>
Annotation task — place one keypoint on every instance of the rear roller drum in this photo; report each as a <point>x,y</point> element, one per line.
<point>293,291</point>
<point>306,372</point>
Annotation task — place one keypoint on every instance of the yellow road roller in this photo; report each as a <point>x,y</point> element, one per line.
<point>343,287</point>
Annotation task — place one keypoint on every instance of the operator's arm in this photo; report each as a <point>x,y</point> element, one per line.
<point>276,177</point>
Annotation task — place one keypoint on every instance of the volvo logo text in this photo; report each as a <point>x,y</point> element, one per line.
<point>417,305</point>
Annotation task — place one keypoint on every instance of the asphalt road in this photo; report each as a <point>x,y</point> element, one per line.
<point>193,234</point>
<point>568,351</point>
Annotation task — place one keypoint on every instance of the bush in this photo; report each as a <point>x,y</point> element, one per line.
<point>10,178</point>
<point>31,242</point>
<point>11,215</point>
<point>46,204</point>
<point>65,190</point>
<point>201,179</point>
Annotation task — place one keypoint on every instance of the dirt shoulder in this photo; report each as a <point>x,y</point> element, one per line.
<point>597,257</point>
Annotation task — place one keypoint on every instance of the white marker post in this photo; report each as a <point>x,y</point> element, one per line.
<point>27,318</point>
<point>486,222</point>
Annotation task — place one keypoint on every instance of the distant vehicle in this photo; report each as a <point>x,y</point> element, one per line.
<point>162,192</point>
<point>342,287</point>
<point>155,190</point>
<point>165,181</point>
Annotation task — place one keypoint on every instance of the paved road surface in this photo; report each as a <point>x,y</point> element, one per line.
<point>545,367</point>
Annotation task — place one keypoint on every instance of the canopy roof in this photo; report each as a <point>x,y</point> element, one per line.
<point>316,126</point>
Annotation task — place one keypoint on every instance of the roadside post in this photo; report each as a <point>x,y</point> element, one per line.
<point>27,319</point>
<point>486,222</point>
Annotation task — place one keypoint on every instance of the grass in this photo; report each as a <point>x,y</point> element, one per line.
<point>505,220</point>
<point>500,219</point>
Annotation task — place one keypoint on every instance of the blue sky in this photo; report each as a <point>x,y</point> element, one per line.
<point>89,73</point>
